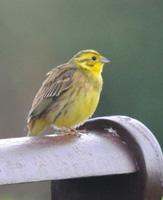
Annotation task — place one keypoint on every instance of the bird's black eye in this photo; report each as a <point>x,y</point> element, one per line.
<point>94,58</point>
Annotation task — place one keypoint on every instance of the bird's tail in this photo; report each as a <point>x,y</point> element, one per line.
<point>37,126</point>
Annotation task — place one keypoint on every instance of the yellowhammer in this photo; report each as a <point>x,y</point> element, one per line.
<point>69,95</point>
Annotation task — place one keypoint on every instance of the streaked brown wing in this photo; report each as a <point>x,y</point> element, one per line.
<point>59,80</point>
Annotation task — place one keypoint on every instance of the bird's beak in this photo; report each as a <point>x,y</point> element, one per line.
<point>104,60</point>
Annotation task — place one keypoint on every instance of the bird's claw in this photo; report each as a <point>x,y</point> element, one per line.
<point>71,131</point>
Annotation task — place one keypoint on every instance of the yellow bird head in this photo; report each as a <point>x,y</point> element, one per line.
<point>89,60</point>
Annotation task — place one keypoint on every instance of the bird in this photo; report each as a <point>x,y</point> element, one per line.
<point>69,95</point>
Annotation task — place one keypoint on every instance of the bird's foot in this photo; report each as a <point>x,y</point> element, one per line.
<point>71,131</point>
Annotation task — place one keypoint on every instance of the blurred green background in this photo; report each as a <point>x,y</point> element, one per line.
<point>37,35</point>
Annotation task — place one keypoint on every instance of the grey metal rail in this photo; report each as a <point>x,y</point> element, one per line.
<point>119,158</point>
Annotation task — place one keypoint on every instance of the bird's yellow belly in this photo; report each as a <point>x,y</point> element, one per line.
<point>79,109</point>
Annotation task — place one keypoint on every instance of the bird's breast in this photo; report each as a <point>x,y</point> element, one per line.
<point>79,102</point>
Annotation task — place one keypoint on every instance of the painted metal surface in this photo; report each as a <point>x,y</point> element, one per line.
<point>53,157</point>
<point>119,158</point>
<point>147,183</point>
